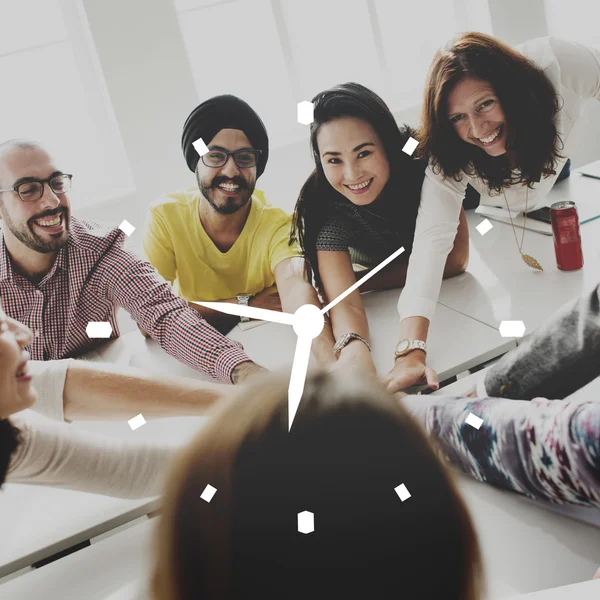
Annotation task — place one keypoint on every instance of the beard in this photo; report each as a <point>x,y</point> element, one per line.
<point>25,234</point>
<point>226,205</point>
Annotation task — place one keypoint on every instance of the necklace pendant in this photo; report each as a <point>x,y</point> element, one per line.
<point>531,262</point>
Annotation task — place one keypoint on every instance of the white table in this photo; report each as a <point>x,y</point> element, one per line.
<point>587,590</point>
<point>498,286</point>
<point>118,564</point>
<point>272,345</point>
<point>525,548</point>
<point>42,521</point>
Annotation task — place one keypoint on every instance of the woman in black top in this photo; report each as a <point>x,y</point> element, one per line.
<point>360,205</point>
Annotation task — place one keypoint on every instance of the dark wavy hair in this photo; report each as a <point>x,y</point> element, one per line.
<point>317,196</point>
<point>528,100</point>
<point>10,437</point>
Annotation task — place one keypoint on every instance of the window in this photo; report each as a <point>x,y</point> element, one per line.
<point>53,93</point>
<point>275,53</point>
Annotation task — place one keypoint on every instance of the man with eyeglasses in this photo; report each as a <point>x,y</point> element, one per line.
<point>59,273</point>
<point>220,241</point>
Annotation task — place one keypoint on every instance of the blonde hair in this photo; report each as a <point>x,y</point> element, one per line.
<point>350,445</point>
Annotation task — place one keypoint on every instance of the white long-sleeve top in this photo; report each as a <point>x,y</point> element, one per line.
<point>574,70</point>
<point>55,454</point>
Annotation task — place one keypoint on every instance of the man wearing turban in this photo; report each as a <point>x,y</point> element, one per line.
<point>220,240</point>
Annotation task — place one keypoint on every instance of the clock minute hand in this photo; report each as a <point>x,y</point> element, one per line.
<point>355,286</point>
<point>240,310</point>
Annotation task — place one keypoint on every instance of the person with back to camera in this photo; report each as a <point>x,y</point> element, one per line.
<point>350,446</point>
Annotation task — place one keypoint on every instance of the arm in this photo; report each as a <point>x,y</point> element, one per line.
<point>179,330</point>
<point>106,392</point>
<point>54,454</point>
<point>71,390</point>
<point>555,361</point>
<point>349,315</point>
<point>545,449</point>
<point>394,274</point>
<point>295,290</point>
<point>435,234</point>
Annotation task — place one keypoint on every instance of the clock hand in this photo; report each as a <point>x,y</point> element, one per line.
<point>308,324</point>
<point>240,310</point>
<point>298,376</point>
<point>362,280</point>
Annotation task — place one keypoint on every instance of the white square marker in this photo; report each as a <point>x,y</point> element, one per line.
<point>208,493</point>
<point>126,227</point>
<point>306,522</point>
<point>402,492</point>
<point>137,422</point>
<point>305,112</point>
<point>410,146</point>
<point>200,147</point>
<point>473,421</point>
<point>484,226</point>
<point>98,329</point>
<point>512,328</point>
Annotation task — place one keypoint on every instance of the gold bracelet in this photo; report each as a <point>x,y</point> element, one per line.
<point>345,340</point>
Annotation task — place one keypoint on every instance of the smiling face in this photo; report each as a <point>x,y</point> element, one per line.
<point>16,392</point>
<point>353,159</point>
<point>227,188</point>
<point>42,225</point>
<point>477,116</point>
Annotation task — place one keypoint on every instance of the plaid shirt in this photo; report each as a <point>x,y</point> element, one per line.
<point>92,275</point>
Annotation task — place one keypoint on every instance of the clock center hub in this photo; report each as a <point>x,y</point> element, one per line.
<point>308,321</point>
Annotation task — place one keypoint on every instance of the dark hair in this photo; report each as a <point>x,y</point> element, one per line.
<point>528,100</point>
<point>317,195</point>
<point>350,446</point>
<point>10,437</point>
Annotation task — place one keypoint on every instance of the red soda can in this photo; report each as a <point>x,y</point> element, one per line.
<point>567,237</point>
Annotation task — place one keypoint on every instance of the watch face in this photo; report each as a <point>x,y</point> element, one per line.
<point>402,346</point>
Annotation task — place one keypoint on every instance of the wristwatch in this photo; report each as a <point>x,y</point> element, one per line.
<point>345,340</point>
<point>405,347</point>
<point>243,298</point>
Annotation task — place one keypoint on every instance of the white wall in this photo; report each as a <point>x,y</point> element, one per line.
<point>151,86</point>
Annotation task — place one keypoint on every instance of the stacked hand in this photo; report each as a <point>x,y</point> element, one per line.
<point>307,321</point>
<point>410,370</point>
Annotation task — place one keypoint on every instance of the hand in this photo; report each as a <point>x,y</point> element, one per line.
<point>144,332</point>
<point>266,299</point>
<point>246,370</point>
<point>410,370</point>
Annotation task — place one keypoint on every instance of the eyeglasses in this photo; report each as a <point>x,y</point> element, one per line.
<point>244,159</point>
<point>31,191</point>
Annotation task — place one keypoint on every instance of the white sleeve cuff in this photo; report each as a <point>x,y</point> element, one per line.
<point>49,382</point>
<point>415,307</point>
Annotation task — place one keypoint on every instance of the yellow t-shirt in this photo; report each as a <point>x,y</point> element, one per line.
<point>177,245</point>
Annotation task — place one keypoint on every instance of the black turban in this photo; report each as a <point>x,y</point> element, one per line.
<point>224,112</point>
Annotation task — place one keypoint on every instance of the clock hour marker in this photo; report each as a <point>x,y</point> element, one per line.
<point>402,492</point>
<point>306,522</point>
<point>208,493</point>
